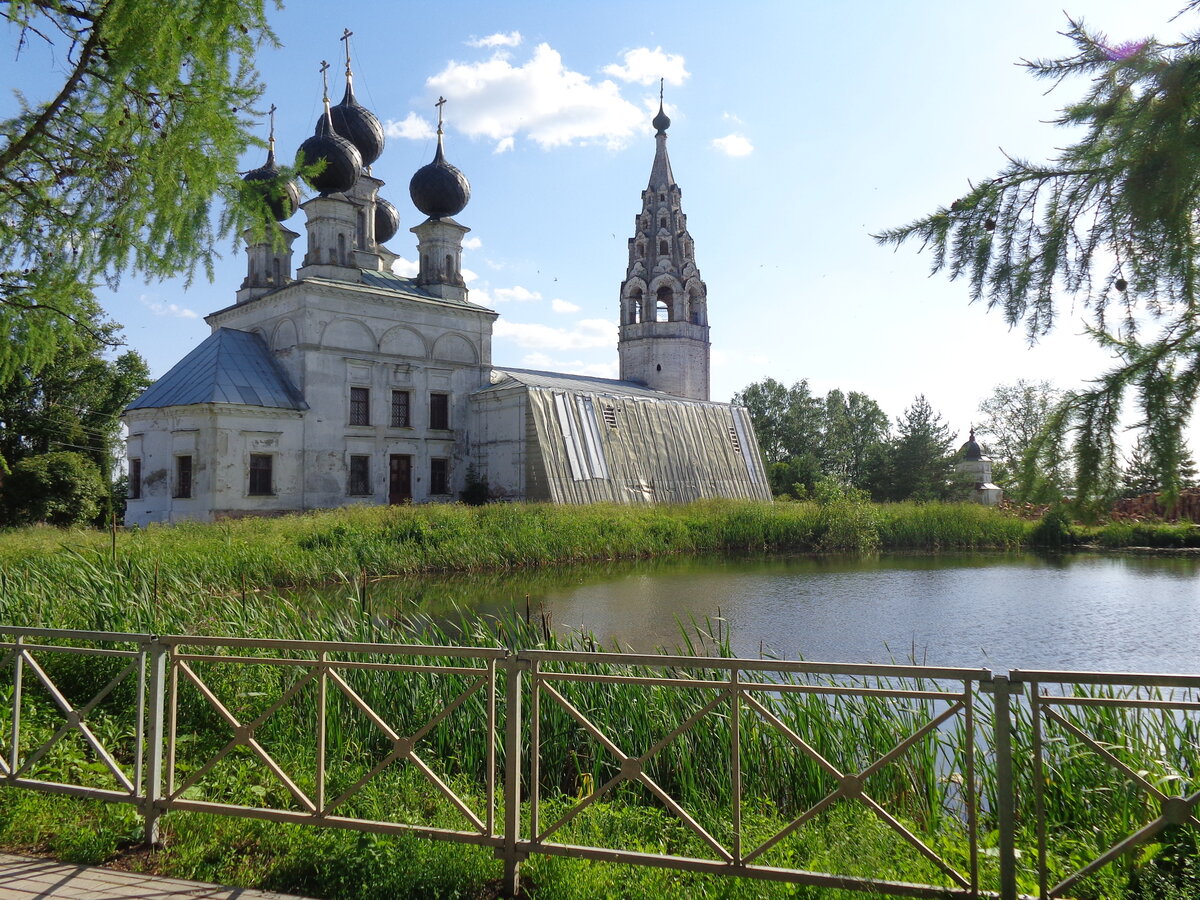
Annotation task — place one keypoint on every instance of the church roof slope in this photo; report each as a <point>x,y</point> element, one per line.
<point>229,366</point>
<point>559,381</point>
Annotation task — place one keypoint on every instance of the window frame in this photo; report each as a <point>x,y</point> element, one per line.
<point>360,406</point>
<point>363,479</point>
<point>439,419</point>
<point>255,473</point>
<point>436,476</point>
<point>404,421</point>
<point>133,484</point>
<point>184,487</point>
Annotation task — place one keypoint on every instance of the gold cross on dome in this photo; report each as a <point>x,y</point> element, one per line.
<point>346,33</point>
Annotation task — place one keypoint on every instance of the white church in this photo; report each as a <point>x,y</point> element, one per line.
<point>344,383</point>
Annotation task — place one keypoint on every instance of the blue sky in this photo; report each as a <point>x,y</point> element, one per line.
<point>799,128</point>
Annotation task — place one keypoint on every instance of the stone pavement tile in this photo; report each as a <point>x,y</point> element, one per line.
<point>25,878</point>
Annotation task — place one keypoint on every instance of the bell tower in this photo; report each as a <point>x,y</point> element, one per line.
<point>663,338</point>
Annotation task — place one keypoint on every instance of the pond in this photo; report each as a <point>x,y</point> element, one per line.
<point>1084,611</point>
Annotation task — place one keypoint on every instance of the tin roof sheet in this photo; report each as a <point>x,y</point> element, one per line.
<point>229,366</point>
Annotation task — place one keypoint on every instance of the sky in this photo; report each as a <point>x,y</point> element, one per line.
<point>799,129</point>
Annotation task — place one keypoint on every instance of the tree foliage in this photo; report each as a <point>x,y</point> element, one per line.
<point>919,461</point>
<point>805,438</point>
<point>59,488</point>
<point>1112,223</point>
<point>117,172</point>
<point>1014,415</point>
<point>73,402</point>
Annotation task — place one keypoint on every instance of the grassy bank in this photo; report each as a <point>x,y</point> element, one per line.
<point>305,549</point>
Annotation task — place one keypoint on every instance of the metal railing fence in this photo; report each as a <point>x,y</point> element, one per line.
<point>518,751</point>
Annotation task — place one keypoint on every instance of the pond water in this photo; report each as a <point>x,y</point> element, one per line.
<point>1090,612</point>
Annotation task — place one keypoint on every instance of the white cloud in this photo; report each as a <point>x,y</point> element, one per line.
<point>505,145</point>
<point>517,293</point>
<point>730,117</point>
<point>733,145</point>
<point>540,98</point>
<point>406,268</point>
<point>467,275</point>
<point>646,66</point>
<point>472,243</point>
<point>562,306</point>
<point>586,334</point>
<point>512,39</point>
<point>173,310</point>
<point>413,127</point>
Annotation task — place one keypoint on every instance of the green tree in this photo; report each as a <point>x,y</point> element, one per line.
<point>1139,475</point>
<point>1014,415</point>
<point>854,428</point>
<point>1111,222</point>
<point>919,462</point>
<point>117,171</point>
<point>59,488</point>
<point>74,402</point>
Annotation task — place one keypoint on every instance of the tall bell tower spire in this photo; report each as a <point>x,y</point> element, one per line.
<point>663,340</point>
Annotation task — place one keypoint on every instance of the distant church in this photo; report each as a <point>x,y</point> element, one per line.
<point>345,383</point>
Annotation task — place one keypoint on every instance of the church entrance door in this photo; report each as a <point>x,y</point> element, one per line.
<point>399,478</point>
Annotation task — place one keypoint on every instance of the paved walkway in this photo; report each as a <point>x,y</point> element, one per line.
<point>24,878</point>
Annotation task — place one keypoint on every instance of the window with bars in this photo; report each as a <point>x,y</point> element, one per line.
<point>401,416</point>
<point>135,479</point>
<point>439,411</point>
<point>183,477</point>
<point>360,406</point>
<point>610,415</point>
<point>261,466</point>
<point>439,475</point>
<point>360,476</point>
<point>733,439</point>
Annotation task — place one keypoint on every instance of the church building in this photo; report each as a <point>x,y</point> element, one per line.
<point>344,383</point>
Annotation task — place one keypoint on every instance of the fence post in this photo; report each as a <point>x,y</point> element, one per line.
<point>156,715</point>
<point>1005,790</point>
<point>513,666</point>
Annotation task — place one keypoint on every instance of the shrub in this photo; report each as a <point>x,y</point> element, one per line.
<point>61,488</point>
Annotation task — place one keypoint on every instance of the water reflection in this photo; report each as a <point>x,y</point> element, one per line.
<point>1132,613</point>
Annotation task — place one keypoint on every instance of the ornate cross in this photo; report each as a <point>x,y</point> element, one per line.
<point>271,113</point>
<point>346,33</point>
<point>325,80</point>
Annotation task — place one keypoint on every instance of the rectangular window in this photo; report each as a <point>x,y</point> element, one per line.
<point>260,474</point>
<point>439,411</point>
<point>439,476</point>
<point>360,406</point>
<point>400,414</point>
<point>183,477</point>
<point>360,476</point>
<point>135,479</point>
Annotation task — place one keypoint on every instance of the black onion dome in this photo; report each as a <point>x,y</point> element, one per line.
<point>662,121</point>
<point>971,451</point>
<point>359,126</point>
<point>283,198</point>
<point>343,161</point>
<point>387,221</point>
<point>439,189</point>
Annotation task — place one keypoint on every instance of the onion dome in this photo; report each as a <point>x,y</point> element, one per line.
<point>342,159</point>
<point>439,190</point>
<point>387,221</point>
<point>283,197</point>
<point>662,121</point>
<point>971,451</point>
<point>358,125</point>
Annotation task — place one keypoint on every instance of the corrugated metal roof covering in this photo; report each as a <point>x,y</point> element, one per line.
<point>389,281</point>
<point>635,449</point>
<point>558,381</point>
<point>229,366</point>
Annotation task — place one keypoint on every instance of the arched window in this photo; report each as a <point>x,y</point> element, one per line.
<point>341,251</point>
<point>662,248</point>
<point>663,307</point>
<point>634,314</point>
<point>662,223</point>
<point>641,249</point>
<point>449,266</point>
<point>362,228</point>
<point>278,273</point>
